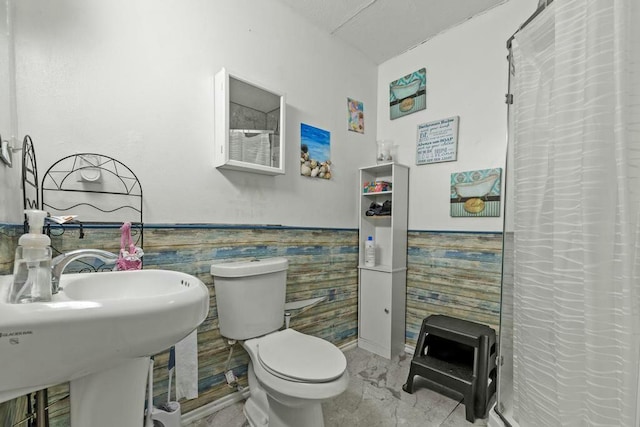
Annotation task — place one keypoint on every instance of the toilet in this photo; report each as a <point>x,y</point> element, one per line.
<point>290,374</point>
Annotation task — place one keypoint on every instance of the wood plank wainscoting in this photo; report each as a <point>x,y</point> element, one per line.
<point>452,273</point>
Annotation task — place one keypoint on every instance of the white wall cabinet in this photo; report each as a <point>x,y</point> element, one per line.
<point>382,288</point>
<point>249,126</point>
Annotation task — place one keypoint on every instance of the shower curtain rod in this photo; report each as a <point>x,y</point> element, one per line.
<point>542,6</point>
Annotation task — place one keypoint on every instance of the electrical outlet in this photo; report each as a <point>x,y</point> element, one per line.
<point>231,378</point>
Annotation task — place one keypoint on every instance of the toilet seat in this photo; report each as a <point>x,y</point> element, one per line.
<point>291,355</point>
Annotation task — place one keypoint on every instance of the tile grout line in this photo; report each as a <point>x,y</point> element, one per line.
<point>451,413</point>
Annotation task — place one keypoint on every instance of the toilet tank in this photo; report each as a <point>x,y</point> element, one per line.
<point>250,296</point>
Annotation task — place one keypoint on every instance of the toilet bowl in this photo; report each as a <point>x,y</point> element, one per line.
<point>297,372</point>
<point>290,373</point>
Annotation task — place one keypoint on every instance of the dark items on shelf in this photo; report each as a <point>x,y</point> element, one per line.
<point>377,209</point>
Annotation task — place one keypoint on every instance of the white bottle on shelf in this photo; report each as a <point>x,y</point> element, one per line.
<point>370,252</point>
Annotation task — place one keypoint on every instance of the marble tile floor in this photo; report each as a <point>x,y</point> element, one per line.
<point>374,399</point>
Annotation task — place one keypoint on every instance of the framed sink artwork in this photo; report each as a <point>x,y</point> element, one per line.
<point>408,94</point>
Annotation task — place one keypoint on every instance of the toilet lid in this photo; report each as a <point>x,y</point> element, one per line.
<point>301,357</point>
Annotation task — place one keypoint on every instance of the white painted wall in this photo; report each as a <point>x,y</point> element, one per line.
<point>134,80</point>
<point>10,190</point>
<point>466,77</point>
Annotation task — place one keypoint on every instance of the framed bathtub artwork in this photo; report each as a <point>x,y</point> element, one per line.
<point>315,152</point>
<point>355,115</point>
<point>408,94</point>
<point>476,193</point>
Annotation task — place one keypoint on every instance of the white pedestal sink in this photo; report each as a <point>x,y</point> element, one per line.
<point>98,333</point>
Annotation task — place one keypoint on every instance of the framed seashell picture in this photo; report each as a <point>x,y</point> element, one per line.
<point>315,152</point>
<point>408,94</point>
<point>476,193</point>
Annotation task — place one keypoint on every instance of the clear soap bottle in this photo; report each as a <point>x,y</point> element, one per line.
<point>32,265</point>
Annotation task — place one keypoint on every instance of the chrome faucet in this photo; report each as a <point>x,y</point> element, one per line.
<point>59,263</point>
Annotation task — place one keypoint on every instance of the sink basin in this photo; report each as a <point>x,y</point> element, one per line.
<point>96,322</point>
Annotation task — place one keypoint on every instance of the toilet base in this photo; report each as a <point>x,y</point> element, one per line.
<point>309,415</point>
<point>254,414</point>
<point>256,408</point>
<point>262,410</point>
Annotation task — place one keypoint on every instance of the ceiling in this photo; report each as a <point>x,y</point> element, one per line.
<point>383,29</point>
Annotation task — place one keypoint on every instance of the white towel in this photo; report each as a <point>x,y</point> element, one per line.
<point>187,367</point>
<point>235,145</point>
<point>256,149</point>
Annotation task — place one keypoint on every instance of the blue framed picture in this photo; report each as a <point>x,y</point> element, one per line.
<point>315,152</point>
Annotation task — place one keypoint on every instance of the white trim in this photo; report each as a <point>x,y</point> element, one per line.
<point>493,420</point>
<point>235,397</point>
<point>349,346</point>
<point>215,406</point>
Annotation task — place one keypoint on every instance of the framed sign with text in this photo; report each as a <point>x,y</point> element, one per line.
<point>437,141</point>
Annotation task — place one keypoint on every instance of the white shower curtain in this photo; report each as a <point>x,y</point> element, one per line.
<point>576,145</point>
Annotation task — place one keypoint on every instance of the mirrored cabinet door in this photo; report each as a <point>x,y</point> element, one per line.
<point>249,126</point>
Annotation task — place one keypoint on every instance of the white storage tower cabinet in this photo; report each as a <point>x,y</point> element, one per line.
<point>382,288</point>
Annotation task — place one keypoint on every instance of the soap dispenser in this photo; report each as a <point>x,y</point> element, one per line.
<point>32,265</point>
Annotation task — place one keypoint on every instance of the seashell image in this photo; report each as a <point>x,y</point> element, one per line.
<point>315,150</point>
